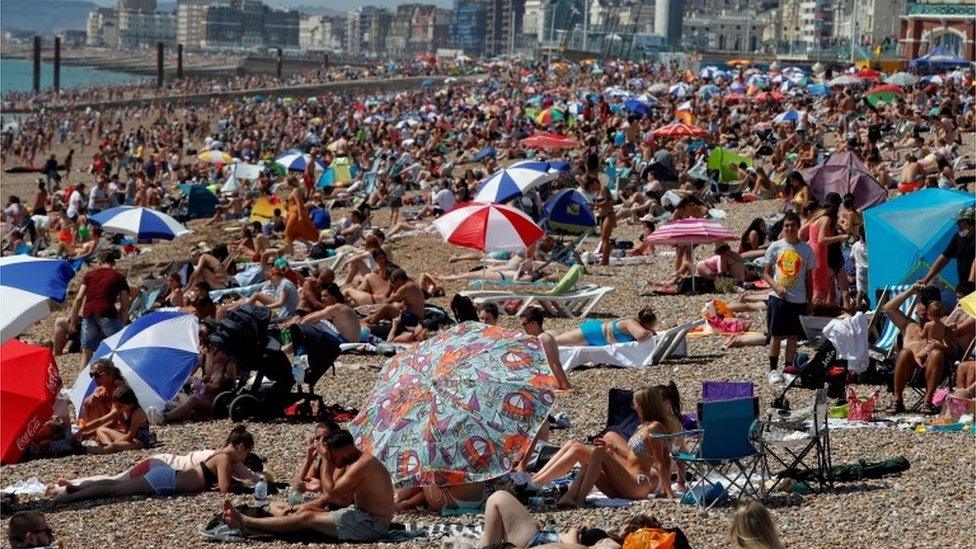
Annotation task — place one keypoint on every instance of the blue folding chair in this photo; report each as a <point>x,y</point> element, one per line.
<point>725,456</point>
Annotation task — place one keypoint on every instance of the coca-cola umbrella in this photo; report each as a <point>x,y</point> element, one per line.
<point>29,383</point>
<point>690,232</point>
<point>488,227</point>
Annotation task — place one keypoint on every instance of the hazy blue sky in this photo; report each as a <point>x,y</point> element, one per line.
<point>337,5</point>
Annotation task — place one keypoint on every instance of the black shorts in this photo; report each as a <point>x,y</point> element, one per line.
<point>783,317</point>
<point>396,202</point>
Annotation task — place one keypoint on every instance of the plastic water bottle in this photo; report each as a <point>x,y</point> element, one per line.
<point>296,498</point>
<point>298,368</point>
<point>261,491</point>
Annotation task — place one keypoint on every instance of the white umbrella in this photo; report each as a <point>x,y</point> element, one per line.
<point>845,80</point>
<point>27,284</point>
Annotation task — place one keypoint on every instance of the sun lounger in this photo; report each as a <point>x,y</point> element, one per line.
<point>635,354</point>
<point>577,303</point>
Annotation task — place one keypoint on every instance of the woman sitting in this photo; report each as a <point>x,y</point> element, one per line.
<point>624,330</point>
<point>634,468</point>
<point>753,243</point>
<point>164,477</point>
<point>469,496</point>
<point>135,434</point>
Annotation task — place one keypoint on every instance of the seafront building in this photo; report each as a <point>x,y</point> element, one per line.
<point>949,24</point>
<point>318,32</point>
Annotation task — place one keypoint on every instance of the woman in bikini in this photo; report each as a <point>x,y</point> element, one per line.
<point>631,469</point>
<point>918,351</point>
<point>165,477</point>
<point>624,330</point>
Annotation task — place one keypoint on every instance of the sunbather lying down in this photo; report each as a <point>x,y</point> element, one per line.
<point>623,330</point>
<point>508,521</point>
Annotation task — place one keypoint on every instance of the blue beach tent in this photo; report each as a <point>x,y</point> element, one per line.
<point>905,236</point>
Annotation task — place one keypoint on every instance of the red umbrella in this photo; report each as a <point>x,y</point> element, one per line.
<point>733,97</point>
<point>886,88</point>
<point>549,140</point>
<point>869,74</point>
<point>679,130</point>
<point>488,227</point>
<point>762,97</point>
<point>29,383</point>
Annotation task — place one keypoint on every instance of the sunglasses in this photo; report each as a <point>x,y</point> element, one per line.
<point>96,375</point>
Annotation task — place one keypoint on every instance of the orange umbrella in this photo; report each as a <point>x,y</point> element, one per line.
<point>679,130</point>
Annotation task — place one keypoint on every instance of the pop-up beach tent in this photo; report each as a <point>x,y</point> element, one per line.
<point>842,174</point>
<point>905,236</point>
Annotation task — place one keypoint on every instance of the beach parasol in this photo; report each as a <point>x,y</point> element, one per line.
<point>463,406</point>
<point>637,107</point>
<point>869,74</point>
<point>791,116</point>
<point>883,92</point>
<point>486,152</point>
<point>549,115</point>
<point>29,383</point>
<point>156,354</point>
<point>488,227</point>
<point>763,97</point>
<point>708,90</point>
<point>658,88</point>
<point>844,80</point>
<point>902,79</point>
<point>844,173</point>
<point>548,140</point>
<point>690,232</point>
<point>27,284</point>
<point>139,222</point>
<point>215,157</point>
<point>510,182</point>
<point>679,130</point>
<point>680,90</point>
<point>296,161</point>
<point>342,170</point>
<point>569,211</point>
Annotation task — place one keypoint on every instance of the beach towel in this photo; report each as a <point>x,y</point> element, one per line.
<point>634,354</point>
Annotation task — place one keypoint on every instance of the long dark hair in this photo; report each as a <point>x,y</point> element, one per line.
<point>670,393</point>
<point>756,225</point>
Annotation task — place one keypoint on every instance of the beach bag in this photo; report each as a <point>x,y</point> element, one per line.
<point>955,407</point>
<point>650,538</point>
<point>861,408</point>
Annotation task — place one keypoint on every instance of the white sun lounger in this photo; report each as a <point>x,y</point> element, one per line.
<point>635,354</point>
<point>575,303</point>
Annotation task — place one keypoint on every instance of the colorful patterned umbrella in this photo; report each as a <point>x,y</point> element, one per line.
<point>488,227</point>
<point>342,170</point>
<point>549,115</point>
<point>462,406</point>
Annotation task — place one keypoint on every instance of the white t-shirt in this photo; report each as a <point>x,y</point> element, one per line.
<point>444,199</point>
<point>97,199</point>
<point>75,202</point>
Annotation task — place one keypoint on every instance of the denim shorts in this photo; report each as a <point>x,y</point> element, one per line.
<point>96,328</point>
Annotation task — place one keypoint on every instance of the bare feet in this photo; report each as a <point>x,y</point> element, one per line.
<point>232,517</point>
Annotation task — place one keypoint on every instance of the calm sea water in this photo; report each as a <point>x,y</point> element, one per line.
<point>17,75</point>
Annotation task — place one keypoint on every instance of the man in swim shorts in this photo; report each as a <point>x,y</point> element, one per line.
<point>363,491</point>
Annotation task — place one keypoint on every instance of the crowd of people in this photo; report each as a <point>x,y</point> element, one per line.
<point>322,258</point>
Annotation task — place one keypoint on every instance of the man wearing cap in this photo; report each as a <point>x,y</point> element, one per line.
<point>962,248</point>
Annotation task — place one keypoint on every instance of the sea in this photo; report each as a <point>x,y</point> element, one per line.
<point>17,75</point>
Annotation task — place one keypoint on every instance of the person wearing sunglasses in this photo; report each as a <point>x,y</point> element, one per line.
<point>107,378</point>
<point>29,529</point>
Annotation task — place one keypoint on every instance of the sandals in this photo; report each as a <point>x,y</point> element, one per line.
<point>928,409</point>
<point>896,408</point>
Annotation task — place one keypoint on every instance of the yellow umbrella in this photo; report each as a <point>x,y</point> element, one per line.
<point>968,304</point>
<point>215,157</point>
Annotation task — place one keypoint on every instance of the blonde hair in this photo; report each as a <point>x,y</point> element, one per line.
<point>753,528</point>
<point>651,407</point>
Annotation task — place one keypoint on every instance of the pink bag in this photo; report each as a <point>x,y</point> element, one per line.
<point>858,408</point>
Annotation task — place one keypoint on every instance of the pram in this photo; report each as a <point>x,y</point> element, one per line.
<point>245,337</point>
<point>822,368</point>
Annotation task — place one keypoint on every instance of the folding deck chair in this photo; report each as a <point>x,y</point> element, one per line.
<point>799,442</point>
<point>561,300</point>
<point>725,457</point>
<point>885,331</point>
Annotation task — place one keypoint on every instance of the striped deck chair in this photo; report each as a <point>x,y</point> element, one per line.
<point>885,331</point>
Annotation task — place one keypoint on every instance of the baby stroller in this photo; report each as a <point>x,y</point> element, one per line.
<point>822,368</point>
<point>244,335</point>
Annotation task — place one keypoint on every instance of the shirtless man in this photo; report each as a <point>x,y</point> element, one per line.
<point>405,299</point>
<point>912,175</point>
<point>917,352</point>
<point>364,493</point>
<point>336,311</point>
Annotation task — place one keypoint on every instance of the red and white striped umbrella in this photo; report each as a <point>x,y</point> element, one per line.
<point>488,227</point>
<point>690,232</point>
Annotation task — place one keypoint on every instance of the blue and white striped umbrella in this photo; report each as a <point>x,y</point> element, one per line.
<point>680,90</point>
<point>156,354</point>
<point>507,183</point>
<point>791,116</point>
<point>296,161</point>
<point>139,222</point>
<point>27,284</point>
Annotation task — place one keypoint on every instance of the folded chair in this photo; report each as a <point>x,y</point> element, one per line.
<point>725,457</point>
<point>144,300</point>
<point>798,441</point>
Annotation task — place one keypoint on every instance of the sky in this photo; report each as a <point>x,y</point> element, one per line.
<point>335,5</point>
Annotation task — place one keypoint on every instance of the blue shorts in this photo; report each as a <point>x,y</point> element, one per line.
<point>96,328</point>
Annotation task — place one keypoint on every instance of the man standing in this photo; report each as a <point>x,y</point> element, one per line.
<point>100,290</point>
<point>962,248</point>
<point>789,263</point>
<point>355,482</point>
